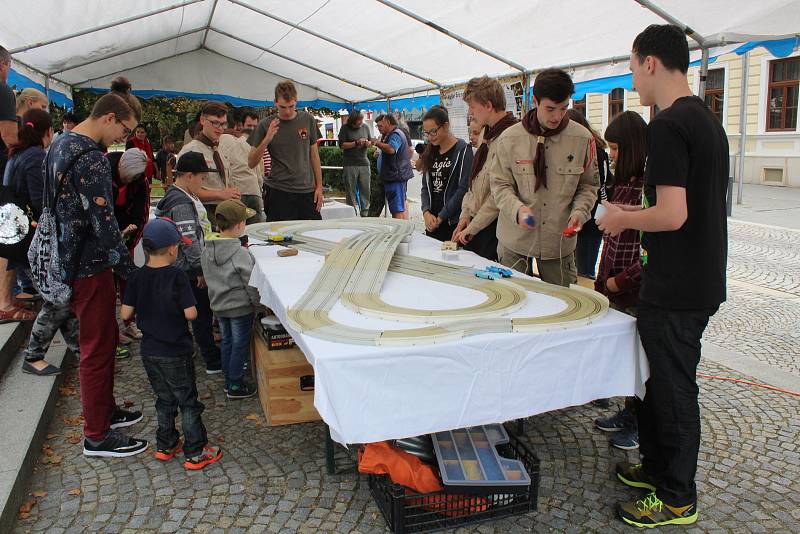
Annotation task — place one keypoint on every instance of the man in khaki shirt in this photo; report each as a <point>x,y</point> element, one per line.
<point>477,227</point>
<point>235,149</point>
<point>544,180</point>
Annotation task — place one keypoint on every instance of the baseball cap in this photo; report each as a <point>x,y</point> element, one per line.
<point>234,211</point>
<point>193,162</point>
<point>132,163</point>
<point>163,232</point>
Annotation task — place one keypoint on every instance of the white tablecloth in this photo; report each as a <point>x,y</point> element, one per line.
<point>368,394</point>
<point>331,209</point>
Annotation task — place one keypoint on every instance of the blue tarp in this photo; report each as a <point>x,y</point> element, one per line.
<point>778,48</point>
<point>20,81</point>
<point>402,104</point>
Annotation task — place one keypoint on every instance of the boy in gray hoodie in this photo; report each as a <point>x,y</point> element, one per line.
<point>227,266</point>
<point>182,206</point>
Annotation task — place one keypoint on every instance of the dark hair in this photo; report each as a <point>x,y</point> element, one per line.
<point>354,117</point>
<point>5,55</point>
<point>214,108</point>
<point>485,90</point>
<point>554,84</point>
<point>285,90</point>
<point>577,116</point>
<point>70,117</point>
<point>113,103</point>
<point>150,249</point>
<point>121,84</point>
<point>629,132</point>
<point>249,115</point>
<point>35,125</point>
<point>437,114</point>
<point>666,42</point>
<point>379,118</point>
<point>391,118</point>
<point>222,223</point>
<point>142,126</point>
<point>167,139</point>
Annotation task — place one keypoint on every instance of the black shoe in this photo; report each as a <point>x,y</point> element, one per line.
<point>214,369</point>
<point>242,391</point>
<point>122,418</point>
<point>116,445</point>
<point>50,370</point>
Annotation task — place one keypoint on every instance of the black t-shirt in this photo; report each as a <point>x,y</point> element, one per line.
<point>438,176</point>
<point>686,268</point>
<point>159,296</point>
<point>8,112</point>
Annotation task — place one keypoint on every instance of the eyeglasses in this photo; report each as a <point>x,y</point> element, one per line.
<point>125,130</point>
<point>217,124</point>
<point>431,132</point>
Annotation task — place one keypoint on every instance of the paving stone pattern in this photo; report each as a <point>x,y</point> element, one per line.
<point>274,479</point>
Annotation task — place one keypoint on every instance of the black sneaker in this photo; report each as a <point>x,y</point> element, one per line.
<point>241,391</point>
<point>214,369</point>
<point>122,418</point>
<point>116,445</point>
<point>619,421</point>
<point>627,439</point>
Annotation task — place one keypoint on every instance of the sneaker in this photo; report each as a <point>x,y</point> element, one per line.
<point>209,455</point>
<point>650,511</point>
<point>214,370</point>
<point>125,339</point>
<point>132,331</point>
<point>166,455</point>
<point>619,421</point>
<point>634,476</point>
<point>122,353</point>
<point>627,440</point>
<point>116,445</point>
<point>241,391</point>
<point>122,418</point>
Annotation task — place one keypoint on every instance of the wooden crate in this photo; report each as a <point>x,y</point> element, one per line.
<point>278,373</point>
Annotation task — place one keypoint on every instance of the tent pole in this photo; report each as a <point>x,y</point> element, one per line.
<point>42,73</point>
<point>460,39</point>
<point>526,92</point>
<point>132,67</point>
<point>335,42</point>
<point>47,87</point>
<point>388,104</point>
<point>743,125</point>
<point>306,65</point>
<point>208,23</point>
<point>126,51</point>
<point>104,26</point>
<point>650,6</point>
<point>701,92</point>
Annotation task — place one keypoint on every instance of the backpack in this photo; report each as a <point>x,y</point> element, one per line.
<point>43,252</point>
<point>16,231</point>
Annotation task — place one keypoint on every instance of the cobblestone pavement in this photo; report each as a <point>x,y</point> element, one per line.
<point>274,479</point>
<point>760,317</point>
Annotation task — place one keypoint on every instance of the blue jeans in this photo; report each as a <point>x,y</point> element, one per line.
<point>174,382</point>
<point>235,346</point>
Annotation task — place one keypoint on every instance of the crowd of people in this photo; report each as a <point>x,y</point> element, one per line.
<point>540,195</point>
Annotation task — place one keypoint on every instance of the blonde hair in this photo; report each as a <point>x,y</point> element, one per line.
<point>485,90</point>
<point>28,96</point>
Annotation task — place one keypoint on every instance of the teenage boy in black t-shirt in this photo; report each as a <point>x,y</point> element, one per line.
<point>683,273</point>
<point>161,297</point>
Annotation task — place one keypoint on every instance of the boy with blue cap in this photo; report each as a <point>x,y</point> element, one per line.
<point>161,298</point>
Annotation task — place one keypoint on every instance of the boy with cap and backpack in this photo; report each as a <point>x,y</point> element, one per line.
<point>182,205</point>
<point>227,266</point>
<point>160,296</point>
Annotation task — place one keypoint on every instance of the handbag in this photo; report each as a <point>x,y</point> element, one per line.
<point>16,217</point>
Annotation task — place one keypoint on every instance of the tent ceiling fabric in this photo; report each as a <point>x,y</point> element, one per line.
<point>532,33</point>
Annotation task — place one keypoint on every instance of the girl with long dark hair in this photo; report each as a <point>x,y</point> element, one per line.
<point>620,272</point>
<point>446,165</point>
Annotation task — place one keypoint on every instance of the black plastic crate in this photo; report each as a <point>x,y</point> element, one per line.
<point>407,512</point>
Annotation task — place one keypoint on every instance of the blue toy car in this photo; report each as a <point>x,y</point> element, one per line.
<point>502,271</point>
<point>480,273</point>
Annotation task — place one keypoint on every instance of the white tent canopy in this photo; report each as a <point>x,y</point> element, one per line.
<point>349,50</point>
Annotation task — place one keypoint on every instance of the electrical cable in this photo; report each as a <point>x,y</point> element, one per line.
<point>749,383</point>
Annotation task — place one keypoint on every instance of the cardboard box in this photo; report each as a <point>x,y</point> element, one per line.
<point>276,336</point>
<point>280,374</point>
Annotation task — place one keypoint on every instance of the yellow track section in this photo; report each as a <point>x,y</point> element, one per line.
<point>355,269</point>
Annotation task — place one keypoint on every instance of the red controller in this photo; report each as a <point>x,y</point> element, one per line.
<point>570,231</point>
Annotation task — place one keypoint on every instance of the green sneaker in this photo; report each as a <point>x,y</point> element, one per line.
<point>651,511</point>
<point>634,476</point>
<point>121,353</point>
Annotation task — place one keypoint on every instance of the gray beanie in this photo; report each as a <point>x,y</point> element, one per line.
<point>132,163</point>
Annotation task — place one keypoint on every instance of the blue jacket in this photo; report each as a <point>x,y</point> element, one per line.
<point>456,187</point>
<point>89,239</point>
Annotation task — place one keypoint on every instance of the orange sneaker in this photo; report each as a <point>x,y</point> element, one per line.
<point>209,455</point>
<point>166,455</point>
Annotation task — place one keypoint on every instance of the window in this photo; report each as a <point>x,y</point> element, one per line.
<point>580,105</point>
<point>616,103</point>
<point>784,83</point>
<point>715,91</point>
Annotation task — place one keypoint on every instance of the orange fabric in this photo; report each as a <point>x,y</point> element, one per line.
<point>405,469</point>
